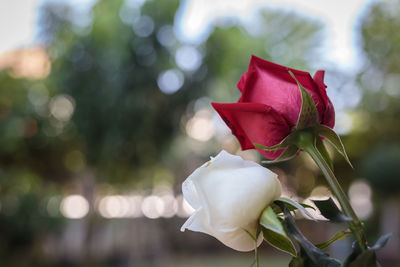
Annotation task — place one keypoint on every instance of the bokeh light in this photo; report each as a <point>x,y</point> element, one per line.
<point>153,207</point>
<point>188,58</point>
<point>201,126</point>
<point>62,107</point>
<point>74,207</point>
<point>360,194</point>
<point>170,81</point>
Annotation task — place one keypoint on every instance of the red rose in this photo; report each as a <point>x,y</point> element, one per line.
<point>270,105</point>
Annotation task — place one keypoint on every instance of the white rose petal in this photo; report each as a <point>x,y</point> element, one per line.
<point>228,195</point>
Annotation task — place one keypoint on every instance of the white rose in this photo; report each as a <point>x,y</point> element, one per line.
<point>228,195</point>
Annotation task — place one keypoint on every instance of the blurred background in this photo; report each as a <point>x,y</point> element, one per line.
<point>105,110</point>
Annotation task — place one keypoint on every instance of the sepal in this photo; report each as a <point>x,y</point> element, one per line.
<point>332,137</point>
<point>308,116</point>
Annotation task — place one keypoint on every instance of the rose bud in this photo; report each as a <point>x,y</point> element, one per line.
<point>269,107</point>
<point>229,195</point>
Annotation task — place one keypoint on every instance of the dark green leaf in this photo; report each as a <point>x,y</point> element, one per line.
<point>338,236</point>
<point>330,211</point>
<point>356,251</point>
<point>298,261</point>
<point>310,254</point>
<point>274,232</point>
<point>294,205</point>
<point>308,114</point>
<point>335,140</point>
<point>322,149</point>
<point>366,259</point>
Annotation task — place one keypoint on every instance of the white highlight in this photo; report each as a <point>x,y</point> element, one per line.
<point>360,194</point>
<point>74,207</point>
<point>153,207</point>
<point>188,58</point>
<point>62,107</point>
<point>170,81</point>
<point>201,126</point>
<point>113,206</point>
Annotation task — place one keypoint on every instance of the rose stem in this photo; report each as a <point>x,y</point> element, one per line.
<point>256,255</point>
<point>306,141</point>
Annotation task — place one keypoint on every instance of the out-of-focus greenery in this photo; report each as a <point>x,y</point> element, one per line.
<point>380,106</point>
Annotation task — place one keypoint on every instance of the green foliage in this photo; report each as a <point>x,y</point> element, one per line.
<point>367,258</point>
<point>338,236</point>
<point>381,167</point>
<point>309,254</point>
<point>293,205</point>
<point>334,139</point>
<point>330,211</point>
<point>274,232</point>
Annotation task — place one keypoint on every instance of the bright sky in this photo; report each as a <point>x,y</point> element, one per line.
<point>17,23</point>
<point>18,18</point>
<point>338,17</point>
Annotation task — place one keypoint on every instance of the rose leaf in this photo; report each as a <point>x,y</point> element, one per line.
<point>330,211</point>
<point>274,232</point>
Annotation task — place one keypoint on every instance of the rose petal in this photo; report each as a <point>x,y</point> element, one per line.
<point>329,116</point>
<point>240,239</point>
<point>240,85</point>
<point>319,81</point>
<point>230,193</point>
<point>237,239</point>
<point>226,182</point>
<point>271,84</point>
<point>254,123</point>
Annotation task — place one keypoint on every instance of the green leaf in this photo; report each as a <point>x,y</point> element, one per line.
<point>288,154</point>
<point>338,236</point>
<point>367,258</point>
<point>298,261</point>
<point>308,114</point>
<point>309,255</point>
<point>322,149</point>
<point>335,140</point>
<point>294,205</point>
<point>274,233</point>
<point>330,211</point>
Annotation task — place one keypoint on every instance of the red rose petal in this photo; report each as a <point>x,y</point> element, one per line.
<point>271,84</point>
<point>254,123</point>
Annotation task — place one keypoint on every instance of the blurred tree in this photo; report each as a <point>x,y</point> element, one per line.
<point>112,72</point>
<point>120,89</point>
<point>380,80</point>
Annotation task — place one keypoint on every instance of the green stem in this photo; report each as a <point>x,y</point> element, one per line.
<point>306,141</point>
<point>256,255</point>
